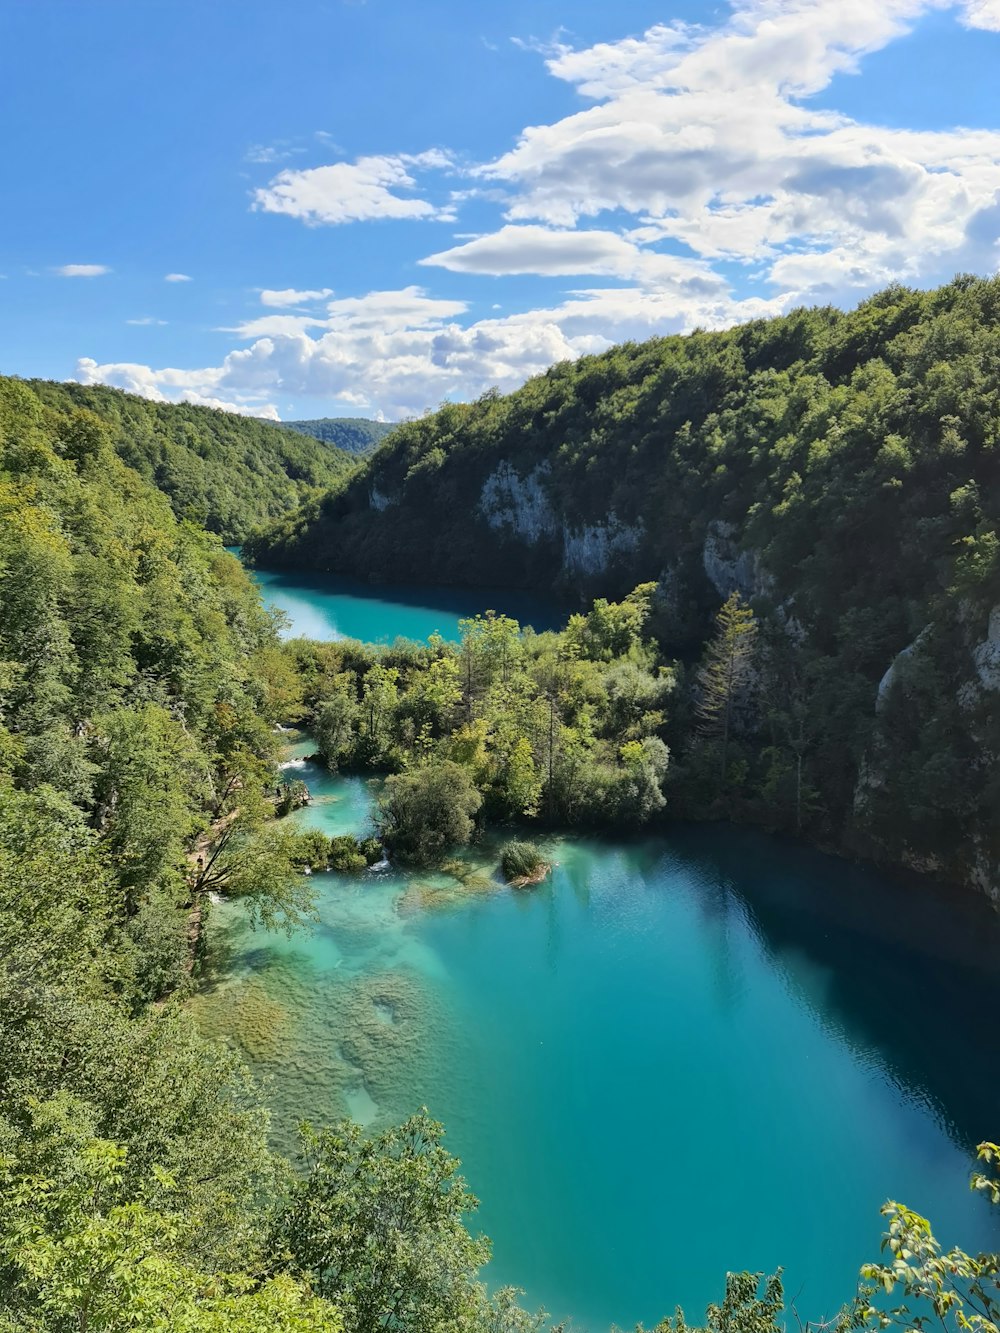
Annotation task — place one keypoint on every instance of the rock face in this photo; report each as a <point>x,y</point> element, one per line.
<point>521,506</point>
<point>377,500</point>
<point>986,655</point>
<point>976,864</point>
<point>591,550</point>
<point>729,569</point>
<point>892,675</point>
<point>518,503</point>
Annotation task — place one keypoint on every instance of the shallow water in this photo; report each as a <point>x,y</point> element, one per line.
<point>676,1057</point>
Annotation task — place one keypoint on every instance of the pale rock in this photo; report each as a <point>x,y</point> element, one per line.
<point>521,505</point>
<point>590,550</point>
<point>987,654</point>
<point>508,500</point>
<point>888,680</point>
<point>729,569</point>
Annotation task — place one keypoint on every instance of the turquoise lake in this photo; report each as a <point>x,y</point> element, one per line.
<point>680,1055</point>
<point>331,607</point>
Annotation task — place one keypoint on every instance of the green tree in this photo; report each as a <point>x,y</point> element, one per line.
<point>77,1257</point>
<point>944,1289</point>
<point>336,720</point>
<point>377,1225</point>
<point>425,812</point>
<point>746,1308</point>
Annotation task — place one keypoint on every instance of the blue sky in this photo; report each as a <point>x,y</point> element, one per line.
<point>306,209</point>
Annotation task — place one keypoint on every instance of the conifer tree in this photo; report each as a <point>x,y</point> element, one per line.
<point>725,671</point>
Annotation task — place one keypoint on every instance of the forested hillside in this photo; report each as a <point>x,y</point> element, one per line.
<point>225,472</point>
<point>840,472</point>
<point>357,435</point>
<point>140,681</point>
<point>139,684</point>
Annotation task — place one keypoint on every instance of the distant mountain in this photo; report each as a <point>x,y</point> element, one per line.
<point>228,473</point>
<point>357,435</point>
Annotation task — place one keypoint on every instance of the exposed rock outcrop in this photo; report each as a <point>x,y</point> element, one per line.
<point>986,655</point>
<point>730,569</point>
<point>521,506</point>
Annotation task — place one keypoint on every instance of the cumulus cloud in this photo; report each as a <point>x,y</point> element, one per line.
<point>354,191</point>
<point>176,277</point>
<point>706,136</point>
<point>168,386</point>
<point>696,154</point>
<point>982,14</point>
<point>288,296</point>
<point>399,352</point>
<point>81,270</point>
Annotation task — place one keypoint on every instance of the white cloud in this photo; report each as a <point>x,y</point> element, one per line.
<point>82,270</point>
<point>146,319</point>
<point>563,253</point>
<point>354,191</point>
<point>167,386</point>
<point>696,149</point>
<point>176,277</point>
<point>982,14</point>
<point>399,352</point>
<point>706,137</point>
<point>288,296</point>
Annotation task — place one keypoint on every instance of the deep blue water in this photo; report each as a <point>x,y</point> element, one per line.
<point>678,1056</point>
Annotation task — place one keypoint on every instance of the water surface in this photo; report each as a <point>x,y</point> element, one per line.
<point>328,606</point>
<point>677,1057</point>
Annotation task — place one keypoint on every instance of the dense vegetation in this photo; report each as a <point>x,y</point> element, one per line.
<point>507,726</point>
<point>357,435</point>
<point>225,472</point>
<point>140,681</point>
<point>839,471</point>
<point>139,684</point>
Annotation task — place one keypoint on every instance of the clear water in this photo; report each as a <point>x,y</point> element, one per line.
<point>328,606</point>
<point>678,1056</point>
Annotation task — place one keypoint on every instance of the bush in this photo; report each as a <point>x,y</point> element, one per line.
<point>346,855</point>
<point>371,850</point>
<point>310,849</point>
<point>522,861</point>
<point>349,854</point>
<point>423,813</point>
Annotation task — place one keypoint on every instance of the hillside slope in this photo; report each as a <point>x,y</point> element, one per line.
<point>226,472</point>
<point>356,435</point>
<point>839,470</point>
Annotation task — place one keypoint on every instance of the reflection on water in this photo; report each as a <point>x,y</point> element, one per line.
<point>328,606</point>
<point>676,1057</point>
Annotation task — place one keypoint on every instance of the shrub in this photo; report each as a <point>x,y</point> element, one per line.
<point>346,855</point>
<point>522,861</point>
<point>423,813</point>
<point>310,849</point>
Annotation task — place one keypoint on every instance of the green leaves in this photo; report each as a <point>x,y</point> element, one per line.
<point>377,1226</point>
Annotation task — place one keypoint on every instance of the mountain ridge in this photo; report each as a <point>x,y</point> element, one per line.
<point>355,435</point>
<point>227,472</point>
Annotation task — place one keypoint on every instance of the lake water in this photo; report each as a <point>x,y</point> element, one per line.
<point>331,607</point>
<point>679,1056</point>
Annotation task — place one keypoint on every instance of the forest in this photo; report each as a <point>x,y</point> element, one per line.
<point>225,472</point>
<point>838,471</point>
<point>140,686</point>
<point>356,435</point>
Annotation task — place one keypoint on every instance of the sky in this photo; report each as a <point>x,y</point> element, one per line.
<point>370,207</point>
